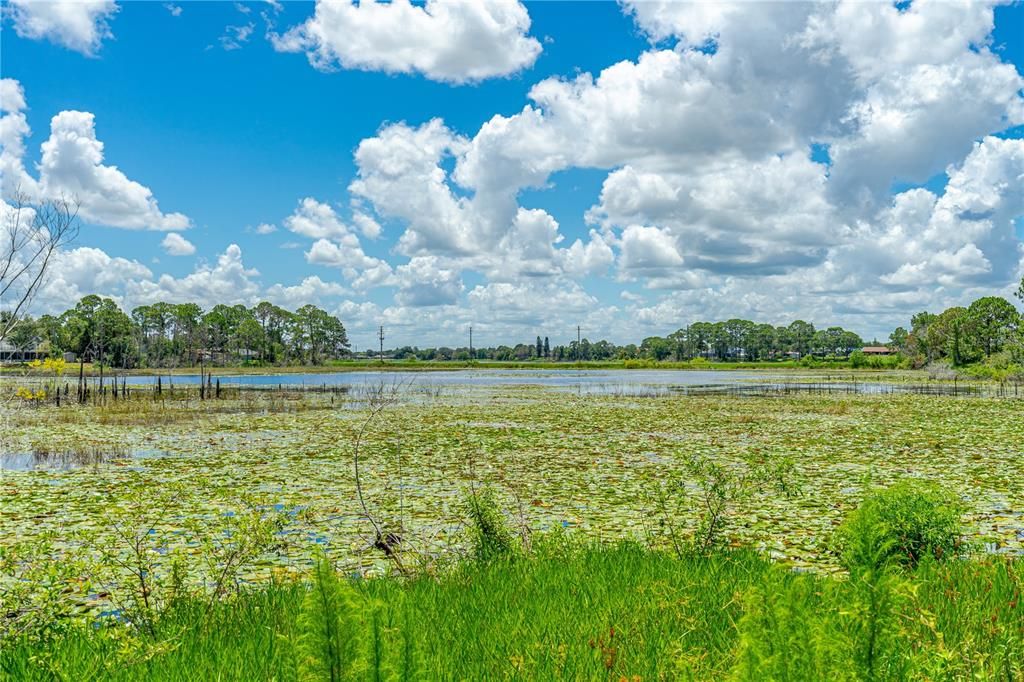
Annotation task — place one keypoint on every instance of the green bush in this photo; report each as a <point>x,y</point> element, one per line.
<point>330,628</point>
<point>901,525</point>
<point>489,533</point>
<point>640,363</point>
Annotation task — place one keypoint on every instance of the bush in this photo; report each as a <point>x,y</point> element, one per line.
<point>490,535</point>
<point>902,525</point>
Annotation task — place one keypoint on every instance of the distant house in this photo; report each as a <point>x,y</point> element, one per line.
<point>877,350</point>
<point>226,357</point>
<point>11,353</point>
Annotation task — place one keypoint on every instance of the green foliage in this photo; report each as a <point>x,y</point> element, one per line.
<point>490,537</point>
<point>33,587</point>
<point>705,497</point>
<point>574,612</point>
<point>784,636</point>
<point>176,335</point>
<point>994,321</point>
<point>639,363</point>
<point>859,360</point>
<point>902,525</point>
<point>802,629</point>
<point>331,637</point>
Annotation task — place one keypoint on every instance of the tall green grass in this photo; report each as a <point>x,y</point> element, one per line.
<point>593,613</point>
<point>908,608</point>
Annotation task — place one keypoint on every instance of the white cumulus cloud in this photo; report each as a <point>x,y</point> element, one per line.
<point>455,41</point>
<point>176,245</point>
<point>72,166</point>
<point>79,25</point>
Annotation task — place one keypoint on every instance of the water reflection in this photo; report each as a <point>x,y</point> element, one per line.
<point>75,458</point>
<point>615,382</point>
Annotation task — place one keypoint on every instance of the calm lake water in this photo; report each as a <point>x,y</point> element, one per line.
<point>479,377</point>
<point>71,459</point>
<point>604,382</point>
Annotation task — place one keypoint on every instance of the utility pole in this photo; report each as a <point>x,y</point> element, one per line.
<point>380,337</point>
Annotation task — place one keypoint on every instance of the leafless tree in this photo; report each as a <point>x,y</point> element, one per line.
<point>30,234</point>
<point>378,397</point>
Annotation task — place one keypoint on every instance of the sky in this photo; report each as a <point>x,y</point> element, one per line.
<point>525,168</point>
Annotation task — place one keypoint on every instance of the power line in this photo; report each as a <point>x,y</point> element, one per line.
<point>380,336</point>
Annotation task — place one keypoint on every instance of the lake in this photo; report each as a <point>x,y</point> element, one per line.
<point>605,382</point>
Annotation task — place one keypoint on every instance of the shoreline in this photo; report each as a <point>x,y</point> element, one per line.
<point>445,366</point>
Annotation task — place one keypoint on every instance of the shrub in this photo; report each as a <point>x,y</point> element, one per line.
<point>490,536</point>
<point>902,525</point>
<point>330,632</point>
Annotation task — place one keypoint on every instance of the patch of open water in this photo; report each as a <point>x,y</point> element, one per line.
<point>66,460</point>
<point>614,382</point>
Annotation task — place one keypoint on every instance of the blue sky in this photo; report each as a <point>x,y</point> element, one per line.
<point>799,171</point>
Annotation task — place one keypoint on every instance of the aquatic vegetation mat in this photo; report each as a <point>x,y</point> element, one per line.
<point>592,464</point>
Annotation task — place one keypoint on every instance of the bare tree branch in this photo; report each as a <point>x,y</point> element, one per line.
<point>30,235</point>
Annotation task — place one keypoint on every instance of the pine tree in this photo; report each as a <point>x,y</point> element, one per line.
<point>547,348</point>
<point>540,348</point>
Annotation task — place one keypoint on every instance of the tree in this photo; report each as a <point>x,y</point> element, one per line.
<point>547,348</point>
<point>993,321</point>
<point>1020,290</point>
<point>738,333</point>
<point>948,335</point>
<point>540,348</point>
<point>250,334</point>
<point>187,329</point>
<point>898,339</point>
<point>100,331</point>
<point>319,333</point>
<point>700,336</point>
<point>761,341</point>
<point>720,340</point>
<point>30,235</point>
<point>801,335</point>
<point>116,345</point>
<point>275,322</point>
<point>263,312</point>
<point>219,326</point>
<point>918,340</point>
<point>849,342</point>
<point>80,325</point>
<point>656,348</point>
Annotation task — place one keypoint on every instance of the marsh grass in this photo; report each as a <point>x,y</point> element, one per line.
<point>589,613</point>
<point>567,610</point>
<point>143,407</point>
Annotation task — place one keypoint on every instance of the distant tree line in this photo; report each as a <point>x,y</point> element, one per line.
<point>991,327</point>
<point>720,341</point>
<point>177,335</point>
